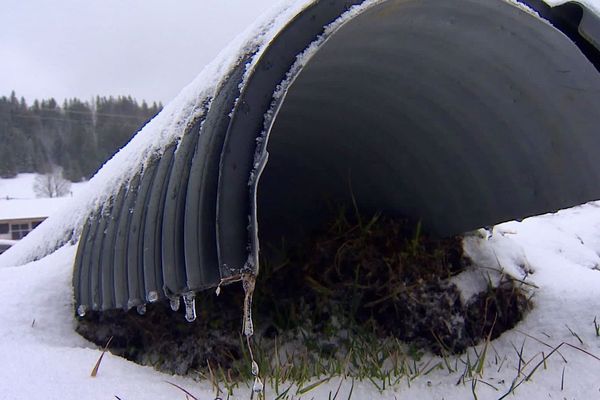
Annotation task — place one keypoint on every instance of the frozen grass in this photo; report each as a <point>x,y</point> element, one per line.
<point>474,370</point>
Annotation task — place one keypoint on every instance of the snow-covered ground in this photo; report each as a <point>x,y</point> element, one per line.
<point>42,357</point>
<point>21,187</point>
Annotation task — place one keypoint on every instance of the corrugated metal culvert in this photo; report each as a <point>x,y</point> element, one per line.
<point>458,113</point>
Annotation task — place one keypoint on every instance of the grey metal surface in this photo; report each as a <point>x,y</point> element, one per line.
<point>135,286</point>
<point>135,240</point>
<point>458,113</point>
<point>173,245</point>
<point>121,219</point>
<point>79,292</point>
<point>590,27</point>
<point>106,263</point>
<point>83,291</point>
<point>201,257</point>
<point>152,244</point>
<point>247,123</point>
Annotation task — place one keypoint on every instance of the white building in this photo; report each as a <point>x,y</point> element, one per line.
<point>19,216</point>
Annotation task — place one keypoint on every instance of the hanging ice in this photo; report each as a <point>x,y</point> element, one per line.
<point>248,282</point>
<point>174,303</point>
<point>153,296</point>
<point>190,306</point>
<point>81,310</point>
<point>258,385</point>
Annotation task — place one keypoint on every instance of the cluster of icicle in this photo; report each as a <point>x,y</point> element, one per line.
<point>189,300</point>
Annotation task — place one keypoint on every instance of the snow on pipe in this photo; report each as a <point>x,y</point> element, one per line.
<point>459,113</point>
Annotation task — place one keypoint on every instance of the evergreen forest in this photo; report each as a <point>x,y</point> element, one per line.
<point>77,136</point>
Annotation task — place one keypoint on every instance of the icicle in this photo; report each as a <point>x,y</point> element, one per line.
<point>258,385</point>
<point>131,304</point>
<point>153,296</point>
<point>81,310</point>
<point>141,309</point>
<point>174,303</point>
<point>189,299</point>
<point>249,283</point>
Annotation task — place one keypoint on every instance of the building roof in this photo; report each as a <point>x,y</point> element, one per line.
<point>30,208</point>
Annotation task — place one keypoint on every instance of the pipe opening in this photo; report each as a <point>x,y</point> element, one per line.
<point>458,114</point>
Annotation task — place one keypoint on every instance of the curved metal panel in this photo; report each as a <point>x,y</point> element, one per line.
<point>86,262</point>
<point>79,266</point>
<point>589,28</point>
<point>108,247</point>
<point>120,267</point>
<point>135,240</point>
<point>135,286</point>
<point>96,277</point>
<point>575,21</point>
<point>201,259</point>
<point>247,123</point>
<point>444,127</point>
<point>173,253</point>
<point>153,274</point>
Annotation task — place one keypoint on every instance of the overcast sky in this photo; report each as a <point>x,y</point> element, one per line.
<point>149,49</point>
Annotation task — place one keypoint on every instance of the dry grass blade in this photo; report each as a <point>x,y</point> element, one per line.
<point>97,366</point>
<point>188,394</point>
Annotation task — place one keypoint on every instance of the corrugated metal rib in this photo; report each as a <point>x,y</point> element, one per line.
<point>200,242</point>
<point>152,245</point>
<point>173,253</point>
<point>106,262</point>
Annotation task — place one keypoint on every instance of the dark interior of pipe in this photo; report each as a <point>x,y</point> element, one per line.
<point>459,115</point>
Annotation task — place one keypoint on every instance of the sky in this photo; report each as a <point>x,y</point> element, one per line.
<point>148,49</point>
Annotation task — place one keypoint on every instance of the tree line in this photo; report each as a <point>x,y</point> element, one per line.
<point>77,137</point>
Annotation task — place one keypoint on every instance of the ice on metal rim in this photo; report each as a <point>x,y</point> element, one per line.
<point>189,300</point>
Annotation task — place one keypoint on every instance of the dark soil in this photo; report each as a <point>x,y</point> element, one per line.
<point>379,276</point>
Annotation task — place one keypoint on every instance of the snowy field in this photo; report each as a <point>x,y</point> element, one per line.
<point>18,199</point>
<point>21,187</point>
<point>42,357</point>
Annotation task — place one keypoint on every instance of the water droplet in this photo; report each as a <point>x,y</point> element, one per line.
<point>141,309</point>
<point>131,304</point>
<point>258,385</point>
<point>81,310</point>
<point>153,296</point>
<point>254,368</point>
<point>189,299</point>
<point>248,324</point>
<point>218,290</point>
<point>174,302</point>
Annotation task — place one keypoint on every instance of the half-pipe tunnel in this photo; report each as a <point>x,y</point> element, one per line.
<point>458,113</point>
